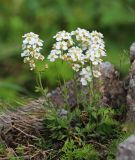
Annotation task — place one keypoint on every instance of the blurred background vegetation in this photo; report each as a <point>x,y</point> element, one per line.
<point>114,18</point>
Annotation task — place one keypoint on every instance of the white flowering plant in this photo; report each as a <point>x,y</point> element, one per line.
<point>83,50</point>
<point>71,128</point>
<point>32,45</point>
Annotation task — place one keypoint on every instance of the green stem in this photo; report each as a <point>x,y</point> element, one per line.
<point>92,84</point>
<point>76,89</point>
<point>39,82</point>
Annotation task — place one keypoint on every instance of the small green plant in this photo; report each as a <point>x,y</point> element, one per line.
<point>73,152</point>
<point>76,132</point>
<point>2,148</point>
<point>20,150</point>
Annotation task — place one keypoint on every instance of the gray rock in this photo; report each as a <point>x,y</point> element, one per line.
<point>132,52</point>
<point>113,90</point>
<point>131,87</point>
<point>108,70</point>
<point>126,150</point>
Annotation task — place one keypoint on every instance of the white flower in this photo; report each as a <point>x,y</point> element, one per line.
<point>70,42</point>
<point>25,53</point>
<point>92,56</point>
<point>62,35</point>
<point>53,55</point>
<point>83,37</point>
<point>41,57</point>
<point>102,53</point>
<point>26,59</point>
<point>64,45</point>
<point>75,54</point>
<point>86,75</point>
<point>61,45</point>
<point>96,73</point>
<point>64,57</point>
<point>31,34</point>
<point>32,64</point>
<point>81,34</point>
<point>36,55</point>
<point>84,81</point>
<point>76,67</point>
<point>57,52</point>
<point>97,62</point>
<point>86,71</point>
<point>31,49</point>
<point>97,34</point>
<point>31,39</point>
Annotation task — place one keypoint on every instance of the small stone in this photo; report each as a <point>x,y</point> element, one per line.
<point>126,150</point>
<point>132,52</point>
<point>63,112</point>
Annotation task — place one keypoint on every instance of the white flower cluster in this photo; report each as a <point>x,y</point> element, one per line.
<point>86,75</point>
<point>63,43</point>
<point>31,49</point>
<point>82,50</point>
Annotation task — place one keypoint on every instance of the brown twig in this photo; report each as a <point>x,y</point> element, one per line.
<point>28,135</point>
<point>96,143</point>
